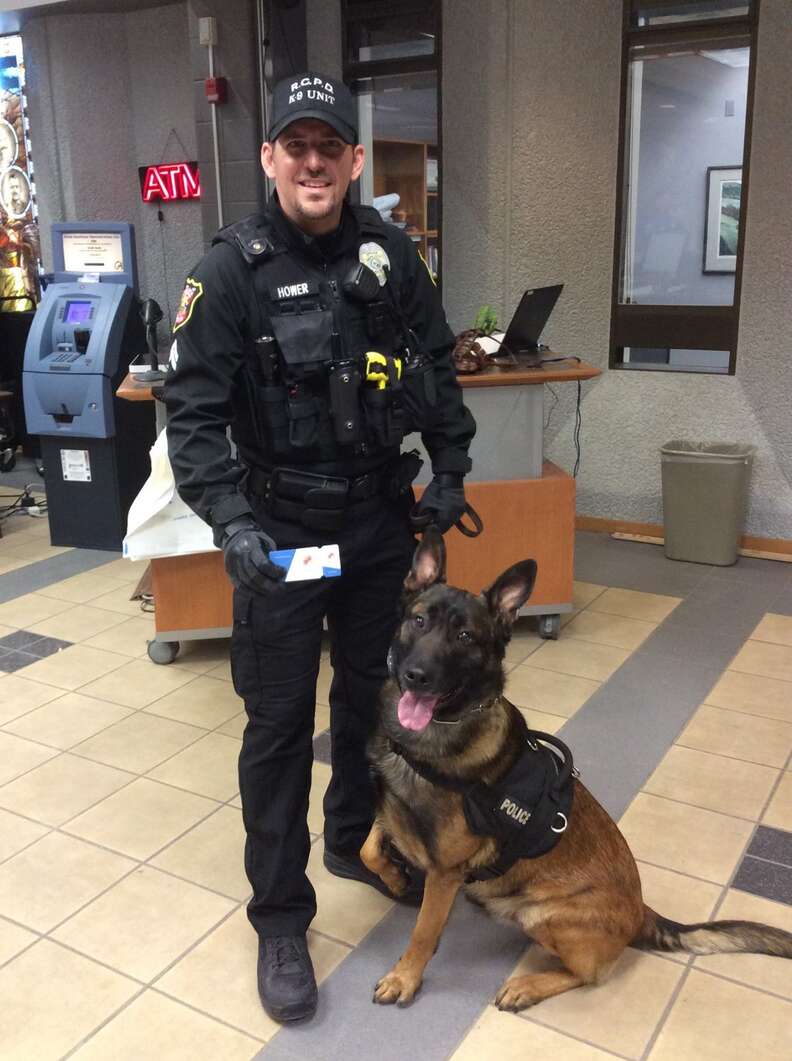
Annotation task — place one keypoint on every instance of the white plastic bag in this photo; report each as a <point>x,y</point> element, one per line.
<point>159,523</point>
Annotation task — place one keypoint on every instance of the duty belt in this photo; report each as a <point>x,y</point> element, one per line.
<point>317,501</point>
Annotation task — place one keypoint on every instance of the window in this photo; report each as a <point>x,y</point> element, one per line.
<point>391,55</point>
<point>688,71</point>
<point>19,237</point>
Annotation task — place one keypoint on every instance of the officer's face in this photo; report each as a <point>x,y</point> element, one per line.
<point>312,168</point>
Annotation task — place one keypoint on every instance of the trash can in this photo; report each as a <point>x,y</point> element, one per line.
<point>705,487</point>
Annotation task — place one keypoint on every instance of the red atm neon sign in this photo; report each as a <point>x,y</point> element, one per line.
<point>169,181</point>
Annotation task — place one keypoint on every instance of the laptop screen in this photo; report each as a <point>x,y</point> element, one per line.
<point>530,317</point>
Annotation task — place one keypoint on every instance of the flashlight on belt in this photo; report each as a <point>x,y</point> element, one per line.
<point>383,370</point>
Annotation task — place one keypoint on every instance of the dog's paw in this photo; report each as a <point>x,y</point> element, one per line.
<point>513,996</point>
<point>396,987</point>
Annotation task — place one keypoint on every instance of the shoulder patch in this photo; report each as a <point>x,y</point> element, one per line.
<point>193,290</point>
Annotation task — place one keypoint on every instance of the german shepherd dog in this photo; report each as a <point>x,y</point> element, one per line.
<point>443,707</point>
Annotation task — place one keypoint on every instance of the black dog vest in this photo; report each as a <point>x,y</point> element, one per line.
<point>527,809</point>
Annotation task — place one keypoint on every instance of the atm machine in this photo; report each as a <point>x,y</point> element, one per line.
<point>86,330</point>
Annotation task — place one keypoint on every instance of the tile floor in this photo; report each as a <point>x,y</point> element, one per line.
<point>122,923</point>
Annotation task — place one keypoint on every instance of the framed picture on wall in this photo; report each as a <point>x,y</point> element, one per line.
<point>722,226</point>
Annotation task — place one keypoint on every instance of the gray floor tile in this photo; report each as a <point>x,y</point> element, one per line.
<point>18,639</point>
<point>714,646</point>
<point>14,661</point>
<point>767,879</point>
<point>775,845</point>
<point>43,573</point>
<point>46,646</point>
<point>321,747</point>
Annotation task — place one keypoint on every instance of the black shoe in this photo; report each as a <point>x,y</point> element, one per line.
<point>351,867</point>
<point>286,981</point>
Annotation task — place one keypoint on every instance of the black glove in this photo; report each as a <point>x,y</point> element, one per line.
<point>245,547</point>
<point>444,497</point>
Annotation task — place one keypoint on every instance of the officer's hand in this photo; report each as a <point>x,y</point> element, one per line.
<point>245,547</point>
<point>444,498</point>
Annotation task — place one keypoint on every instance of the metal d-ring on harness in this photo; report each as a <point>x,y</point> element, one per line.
<point>527,809</point>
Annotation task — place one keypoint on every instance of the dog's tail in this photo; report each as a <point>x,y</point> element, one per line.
<point>712,937</point>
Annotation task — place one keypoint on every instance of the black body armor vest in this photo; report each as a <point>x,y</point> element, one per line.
<point>334,371</point>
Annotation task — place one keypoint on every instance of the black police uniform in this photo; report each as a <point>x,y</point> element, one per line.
<point>317,463</point>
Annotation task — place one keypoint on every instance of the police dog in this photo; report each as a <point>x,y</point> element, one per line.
<point>443,708</point>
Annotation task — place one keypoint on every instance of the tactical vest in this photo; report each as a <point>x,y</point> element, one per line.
<point>334,370</point>
<point>527,809</point>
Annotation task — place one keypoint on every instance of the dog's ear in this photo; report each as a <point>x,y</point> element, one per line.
<point>511,590</point>
<point>428,564</point>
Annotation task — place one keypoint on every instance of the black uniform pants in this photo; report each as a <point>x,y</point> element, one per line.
<point>275,654</point>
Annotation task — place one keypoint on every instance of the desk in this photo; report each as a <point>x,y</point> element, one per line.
<point>531,516</point>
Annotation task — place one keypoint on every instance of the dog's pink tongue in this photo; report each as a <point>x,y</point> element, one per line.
<point>415,712</point>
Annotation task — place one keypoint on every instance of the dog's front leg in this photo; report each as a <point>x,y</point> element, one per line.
<point>402,982</point>
<point>375,859</point>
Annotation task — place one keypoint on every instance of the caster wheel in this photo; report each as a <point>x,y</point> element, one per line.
<point>163,651</point>
<point>549,627</point>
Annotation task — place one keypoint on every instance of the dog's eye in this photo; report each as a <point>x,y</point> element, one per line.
<point>465,637</point>
<point>418,620</point>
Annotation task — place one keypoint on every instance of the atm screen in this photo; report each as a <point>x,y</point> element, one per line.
<point>77,312</point>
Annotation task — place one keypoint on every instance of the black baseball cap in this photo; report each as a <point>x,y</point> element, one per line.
<point>313,95</point>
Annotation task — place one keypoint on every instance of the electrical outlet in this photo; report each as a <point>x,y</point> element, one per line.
<point>207,31</point>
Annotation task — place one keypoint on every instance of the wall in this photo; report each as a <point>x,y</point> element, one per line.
<point>530,125</point>
<point>108,93</point>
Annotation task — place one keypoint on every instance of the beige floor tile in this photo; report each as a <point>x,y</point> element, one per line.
<point>235,726</point>
<point>132,926</point>
<point>320,779</point>
<point>30,608</point>
<point>620,1014</point>
<point>16,833</point>
<point>651,607</point>
<point>208,767</point>
<point>17,756</point>
<point>729,786</point>
<point>697,842</point>
<point>117,600</point>
<point>130,637</point>
<point>206,702</point>
<point>203,656</point>
<point>347,910</point>
<point>321,718</point>
<point>741,736</point>
<point>139,742</point>
<point>581,658</point>
<point>61,788</point>
<point>768,660</point>
<point>508,1037</point>
<point>77,623</point>
<point>34,894</point>
<point>583,593</point>
<point>323,681</point>
<point>758,970</point>
<point>13,939</point>
<point>35,550</point>
<point>545,690</point>
<point>78,589</point>
<point>779,811</point>
<point>73,667</point>
<point>124,570</point>
<point>605,629</point>
<point>18,696</point>
<point>211,854</point>
<point>180,1034</point>
<point>44,1025</point>
<point>775,628</point>
<point>753,694</point>
<point>714,1020</point>
<point>222,671</point>
<point>5,630</point>
<point>218,976</point>
<point>542,721</point>
<point>7,564</point>
<point>64,722</point>
<point>137,683</point>
<point>141,818</point>
<point>673,895</point>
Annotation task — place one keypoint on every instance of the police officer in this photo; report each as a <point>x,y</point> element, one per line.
<point>314,330</point>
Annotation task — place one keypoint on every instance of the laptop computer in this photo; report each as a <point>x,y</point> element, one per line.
<point>522,335</point>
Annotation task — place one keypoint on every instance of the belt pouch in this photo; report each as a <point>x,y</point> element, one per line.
<point>385,418</point>
<point>303,413</point>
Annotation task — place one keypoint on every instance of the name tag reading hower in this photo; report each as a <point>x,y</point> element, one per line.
<point>310,562</point>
